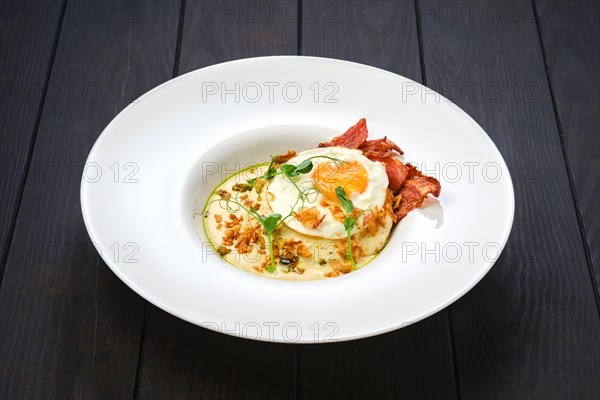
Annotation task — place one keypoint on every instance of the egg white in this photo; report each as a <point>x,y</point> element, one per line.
<point>283,195</point>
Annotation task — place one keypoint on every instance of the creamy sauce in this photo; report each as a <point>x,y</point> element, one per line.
<point>315,256</point>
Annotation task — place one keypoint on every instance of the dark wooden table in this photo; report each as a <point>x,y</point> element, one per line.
<point>528,72</point>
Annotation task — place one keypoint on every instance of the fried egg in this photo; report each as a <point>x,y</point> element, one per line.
<point>317,212</point>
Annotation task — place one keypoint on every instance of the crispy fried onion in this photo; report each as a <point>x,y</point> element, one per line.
<point>283,158</point>
<point>339,268</point>
<point>310,218</point>
<point>336,211</point>
<point>357,250</point>
<point>296,247</point>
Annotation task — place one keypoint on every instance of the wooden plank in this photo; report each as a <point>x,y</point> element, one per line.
<point>70,328</point>
<point>219,31</point>
<point>181,360</point>
<point>570,34</point>
<point>381,33</point>
<point>414,362</point>
<point>530,328</point>
<point>29,29</point>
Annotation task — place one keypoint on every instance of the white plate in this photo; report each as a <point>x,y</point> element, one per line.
<point>156,162</point>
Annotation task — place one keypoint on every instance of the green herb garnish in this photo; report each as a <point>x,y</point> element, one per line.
<point>350,221</point>
<point>271,222</point>
<point>291,170</point>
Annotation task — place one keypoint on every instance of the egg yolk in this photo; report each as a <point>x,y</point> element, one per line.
<point>351,176</point>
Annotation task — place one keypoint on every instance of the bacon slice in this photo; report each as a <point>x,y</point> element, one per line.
<point>352,138</point>
<point>406,181</point>
<point>396,171</point>
<point>380,148</point>
<point>415,190</point>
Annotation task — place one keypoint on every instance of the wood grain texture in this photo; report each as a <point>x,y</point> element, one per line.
<point>529,329</point>
<point>571,36</point>
<point>219,31</point>
<point>180,360</point>
<point>25,56</point>
<point>184,361</point>
<point>71,329</point>
<point>414,362</point>
<point>380,33</point>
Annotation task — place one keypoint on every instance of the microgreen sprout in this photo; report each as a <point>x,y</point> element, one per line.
<point>270,223</point>
<point>290,170</point>
<point>349,222</point>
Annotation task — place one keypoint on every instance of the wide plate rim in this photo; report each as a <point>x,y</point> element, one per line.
<point>363,334</point>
